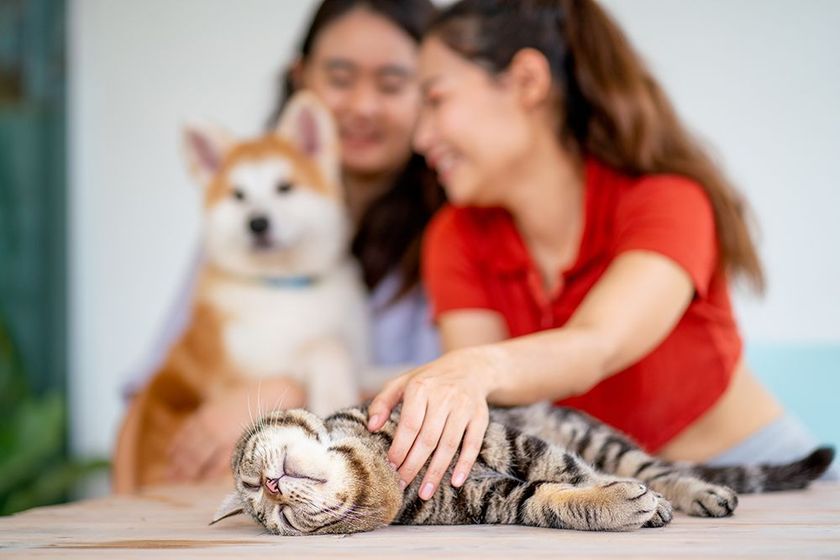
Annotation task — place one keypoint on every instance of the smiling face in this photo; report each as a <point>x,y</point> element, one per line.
<point>292,477</point>
<point>473,129</point>
<point>363,68</point>
<point>288,477</point>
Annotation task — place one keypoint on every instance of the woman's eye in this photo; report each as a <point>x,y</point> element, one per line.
<point>340,81</point>
<point>432,101</point>
<point>238,194</point>
<point>392,87</point>
<point>284,188</point>
<point>250,485</point>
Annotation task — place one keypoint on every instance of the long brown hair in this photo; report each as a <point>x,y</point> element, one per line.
<point>390,230</point>
<point>611,106</point>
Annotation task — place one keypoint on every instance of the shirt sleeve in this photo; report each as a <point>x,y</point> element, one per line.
<point>451,271</point>
<point>672,216</point>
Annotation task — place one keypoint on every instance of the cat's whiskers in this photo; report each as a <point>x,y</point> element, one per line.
<point>279,403</point>
<point>259,399</point>
<point>352,511</point>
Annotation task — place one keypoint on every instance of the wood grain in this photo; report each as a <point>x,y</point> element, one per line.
<point>164,523</point>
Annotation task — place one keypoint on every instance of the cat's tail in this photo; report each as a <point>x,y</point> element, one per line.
<point>769,478</point>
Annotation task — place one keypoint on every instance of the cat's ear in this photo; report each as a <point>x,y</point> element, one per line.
<point>205,146</point>
<point>308,124</point>
<point>230,506</point>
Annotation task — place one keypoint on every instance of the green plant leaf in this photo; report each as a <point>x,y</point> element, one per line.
<point>53,484</point>
<point>37,436</point>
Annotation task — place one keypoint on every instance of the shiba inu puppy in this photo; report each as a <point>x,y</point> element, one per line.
<point>278,294</point>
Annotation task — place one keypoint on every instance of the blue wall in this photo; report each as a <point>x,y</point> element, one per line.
<point>806,378</point>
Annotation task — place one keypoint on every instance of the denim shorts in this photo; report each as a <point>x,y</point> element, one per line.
<point>785,440</point>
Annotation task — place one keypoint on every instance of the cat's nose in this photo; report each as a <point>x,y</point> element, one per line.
<point>272,485</point>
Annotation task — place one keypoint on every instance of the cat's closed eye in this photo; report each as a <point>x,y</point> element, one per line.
<point>294,474</point>
<point>250,485</point>
<point>297,471</point>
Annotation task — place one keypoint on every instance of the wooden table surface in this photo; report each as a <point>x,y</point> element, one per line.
<point>172,522</point>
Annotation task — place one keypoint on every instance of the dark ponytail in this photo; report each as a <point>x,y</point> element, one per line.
<point>611,107</point>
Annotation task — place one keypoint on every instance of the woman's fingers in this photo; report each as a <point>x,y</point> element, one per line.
<point>446,449</point>
<point>424,444</point>
<point>381,406</point>
<point>412,418</point>
<point>470,448</point>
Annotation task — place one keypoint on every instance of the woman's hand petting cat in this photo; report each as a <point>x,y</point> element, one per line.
<point>202,448</point>
<point>444,407</point>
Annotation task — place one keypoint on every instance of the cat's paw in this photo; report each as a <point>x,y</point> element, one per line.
<point>664,513</point>
<point>711,500</point>
<point>632,505</point>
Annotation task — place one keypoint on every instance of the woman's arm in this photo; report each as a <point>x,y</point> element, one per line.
<point>632,308</point>
<point>629,312</point>
<point>471,327</point>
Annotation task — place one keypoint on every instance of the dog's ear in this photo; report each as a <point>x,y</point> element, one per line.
<point>230,506</point>
<point>205,146</point>
<point>309,125</point>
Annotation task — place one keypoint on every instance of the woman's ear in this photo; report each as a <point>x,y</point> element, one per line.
<point>296,74</point>
<point>530,73</point>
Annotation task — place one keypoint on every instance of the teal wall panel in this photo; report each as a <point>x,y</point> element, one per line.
<point>806,378</point>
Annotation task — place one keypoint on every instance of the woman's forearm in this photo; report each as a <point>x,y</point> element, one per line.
<point>549,365</point>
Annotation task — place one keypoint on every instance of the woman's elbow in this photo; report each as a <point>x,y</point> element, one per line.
<point>601,359</point>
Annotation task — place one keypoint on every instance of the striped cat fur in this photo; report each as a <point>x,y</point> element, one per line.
<point>543,466</point>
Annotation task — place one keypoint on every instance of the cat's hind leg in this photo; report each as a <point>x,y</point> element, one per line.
<point>583,498</point>
<point>611,452</point>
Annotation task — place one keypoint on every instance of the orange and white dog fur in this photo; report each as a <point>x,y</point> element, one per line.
<point>278,294</point>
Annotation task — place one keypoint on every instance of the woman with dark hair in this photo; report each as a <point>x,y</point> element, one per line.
<point>586,256</point>
<point>360,58</point>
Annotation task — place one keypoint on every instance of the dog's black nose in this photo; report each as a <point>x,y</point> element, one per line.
<point>258,224</point>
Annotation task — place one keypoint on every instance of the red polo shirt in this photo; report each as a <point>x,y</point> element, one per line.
<point>474,258</point>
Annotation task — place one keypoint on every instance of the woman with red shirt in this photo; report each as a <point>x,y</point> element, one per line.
<point>586,254</point>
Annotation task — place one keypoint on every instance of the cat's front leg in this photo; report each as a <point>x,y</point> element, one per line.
<point>616,505</point>
<point>583,498</point>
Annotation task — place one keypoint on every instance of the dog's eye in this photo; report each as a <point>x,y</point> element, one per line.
<point>284,188</point>
<point>238,194</point>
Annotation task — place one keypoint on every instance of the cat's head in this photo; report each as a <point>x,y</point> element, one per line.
<point>273,206</point>
<point>292,476</point>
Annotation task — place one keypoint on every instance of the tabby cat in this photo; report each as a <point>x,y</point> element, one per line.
<point>539,465</point>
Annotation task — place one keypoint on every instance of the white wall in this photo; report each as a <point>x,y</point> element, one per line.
<point>758,78</point>
<point>138,70</point>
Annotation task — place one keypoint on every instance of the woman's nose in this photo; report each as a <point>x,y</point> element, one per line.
<point>422,135</point>
<point>364,100</point>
